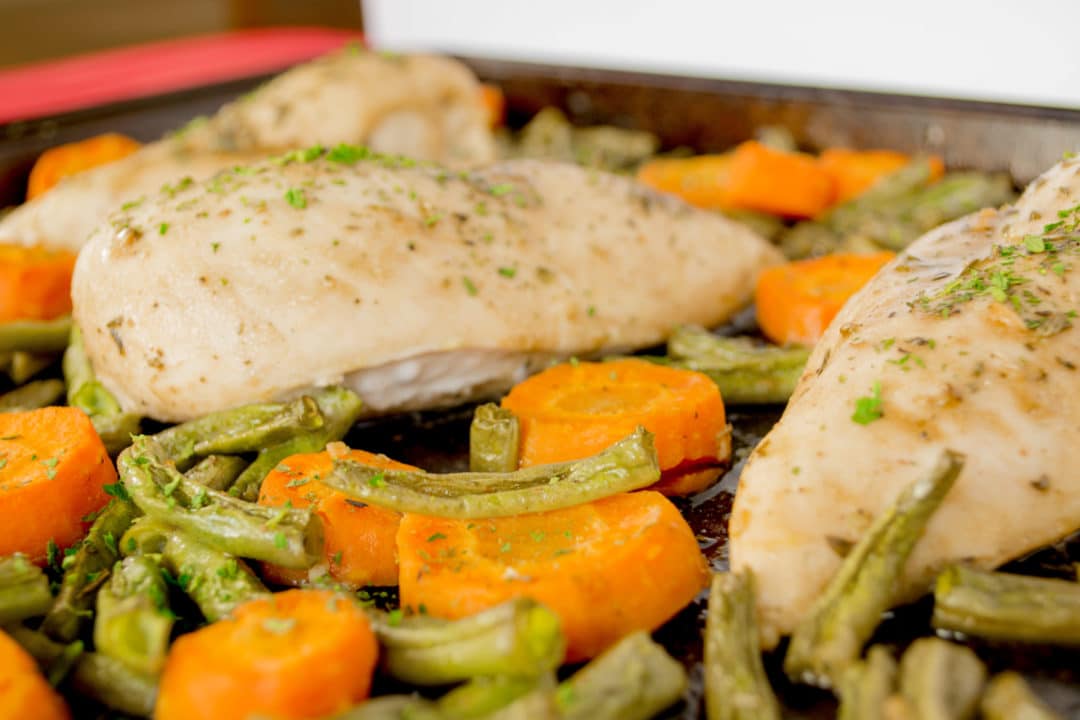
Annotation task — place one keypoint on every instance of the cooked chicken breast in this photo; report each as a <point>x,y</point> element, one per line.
<point>968,338</point>
<point>421,106</point>
<point>417,286</point>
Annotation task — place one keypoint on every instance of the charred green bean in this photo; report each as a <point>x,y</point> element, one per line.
<point>1007,607</point>
<point>519,637</point>
<point>494,438</point>
<point>844,616</point>
<point>736,687</point>
<point>629,464</point>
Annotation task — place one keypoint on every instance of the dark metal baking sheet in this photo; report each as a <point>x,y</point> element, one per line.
<point>706,115</point>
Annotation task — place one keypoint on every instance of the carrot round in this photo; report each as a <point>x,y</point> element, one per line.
<point>778,182</point>
<point>575,410</point>
<point>701,180</point>
<point>797,301</point>
<point>59,162</point>
<point>53,473</point>
<point>494,103</point>
<point>295,654</point>
<point>628,562</point>
<point>359,539</point>
<point>855,171</point>
<point>24,693</point>
<point>35,283</point>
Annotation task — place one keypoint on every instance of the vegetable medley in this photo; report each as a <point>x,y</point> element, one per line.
<point>227,567</point>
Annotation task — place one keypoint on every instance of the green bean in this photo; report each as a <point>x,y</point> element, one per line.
<point>133,618</point>
<point>217,582</point>
<point>519,637</point>
<point>844,616</point>
<point>113,425</point>
<point>736,687</point>
<point>501,697</point>
<point>393,707</point>
<point>32,396</point>
<point>1007,607</point>
<point>25,365</point>
<point>115,685</point>
<point>633,680</point>
<point>247,428</point>
<point>340,408</point>
<point>290,537</point>
<point>940,680</point>
<point>89,567</point>
<point>866,685</point>
<point>627,465</point>
<point>217,472</point>
<point>24,589</point>
<point>55,659</point>
<point>494,436</point>
<point>37,336</point>
<point>117,430</point>
<point>1008,697</point>
<point>747,373</point>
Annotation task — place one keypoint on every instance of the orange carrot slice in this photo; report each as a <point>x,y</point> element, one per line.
<point>855,171</point>
<point>295,654</point>
<point>575,410</point>
<point>797,301</point>
<point>702,180</point>
<point>53,473</point>
<point>494,104</point>
<point>359,539</point>
<point>778,182</point>
<point>24,693</point>
<point>62,161</point>
<point>35,283</point>
<point>628,562</point>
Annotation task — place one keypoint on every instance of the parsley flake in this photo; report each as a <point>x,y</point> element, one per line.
<point>868,409</point>
<point>296,198</point>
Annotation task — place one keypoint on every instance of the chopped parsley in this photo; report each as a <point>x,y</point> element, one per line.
<point>508,272</point>
<point>501,189</point>
<point>436,536</point>
<point>868,409</point>
<point>163,228</point>
<point>377,480</point>
<point>296,198</point>
<point>470,287</point>
<point>118,491</point>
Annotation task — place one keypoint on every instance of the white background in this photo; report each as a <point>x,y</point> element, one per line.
<point>1024,51</point>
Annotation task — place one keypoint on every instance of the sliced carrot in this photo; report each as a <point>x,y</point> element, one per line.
<point>855,171</point>
<point>494,104</point>
<point>575,410</point>
<point>797,301</point>
<point>35,283</point>
<point>778,182</point>
<point>59,162</point>
<point>359,539</point>
<point>628,562</point>
<point>53,473</point>
<point>701,180</point>
<point>24,693</point>
<point>295,654</point>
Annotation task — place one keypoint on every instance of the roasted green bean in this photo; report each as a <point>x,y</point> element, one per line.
<point>133,619</point>
<point>217,472</point>
<point>340,408</point>
<point>115,685</point>
<point>501,697</point>
<point>1008,697</point>
<point>736,687</point>
<point>866,685</point>
<point>55,659</point>
<point>844,616</point>
<point>25,365</point>
<point>627,465</point>
<point>24,589</point>
<point>633,680</point>
<point>519,637</point>
<point>494,437</point>
<point>1008,607</point>
<point>216,581</point>
<point>113,425</point>
<point>35,336</point>
<point>89,567</point>
<point>940,680</point>
<point>290,537</point>
<point>32,396</point>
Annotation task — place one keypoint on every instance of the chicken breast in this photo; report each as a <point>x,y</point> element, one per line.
<point>417,286</point>
<point>967,338</point>
<point>421,106</point>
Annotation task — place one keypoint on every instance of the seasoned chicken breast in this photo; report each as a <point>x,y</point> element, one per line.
<point>417,286</point>
<point>967,340</point>
<point>421,106</point>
